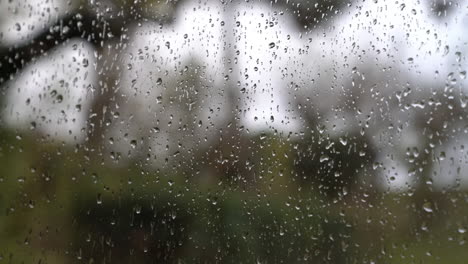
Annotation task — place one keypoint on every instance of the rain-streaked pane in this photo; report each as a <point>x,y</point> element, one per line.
<point>218,131</point>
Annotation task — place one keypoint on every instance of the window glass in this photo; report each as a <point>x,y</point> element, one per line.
<point>233,131</point>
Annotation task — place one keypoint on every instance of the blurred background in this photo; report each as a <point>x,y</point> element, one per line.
<point>215,131</point>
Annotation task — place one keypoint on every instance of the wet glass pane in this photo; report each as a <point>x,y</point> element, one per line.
<point>215,131</point>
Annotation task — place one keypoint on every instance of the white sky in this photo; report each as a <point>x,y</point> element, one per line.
<point>20,20</point>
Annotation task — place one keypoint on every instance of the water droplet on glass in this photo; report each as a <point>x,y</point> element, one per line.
<point>324,158</point>
<point>99,199</point>
<point>427,207</point>
<point>462,75</point>
<point>458,56</point>
<point>343,141</point>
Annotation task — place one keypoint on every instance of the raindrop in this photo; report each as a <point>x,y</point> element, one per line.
<point>324,158</point>
<point>343,141</point>
<point>462,74</point>
<point>99,199</point>
<point>427,207</point>
<point>458,56</point>
<point>133,144</point>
